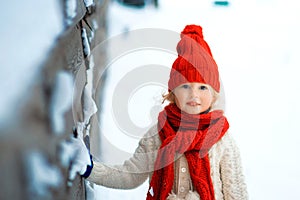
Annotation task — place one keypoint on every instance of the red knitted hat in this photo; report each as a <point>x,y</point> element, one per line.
<point>194,62</point>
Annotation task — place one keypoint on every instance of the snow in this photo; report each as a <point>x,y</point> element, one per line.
<point>85,41</point>
<point>95,24</point>
<point>61,100</point>
<point>89,105</point>
<point>88,3</point>
<point>42,175</point>
<point>71,6</point>
<point>80,128</point>
<point>66,153</point>
<point>255,44</point>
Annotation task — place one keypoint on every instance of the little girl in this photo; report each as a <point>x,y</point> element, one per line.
<point>189,154</point>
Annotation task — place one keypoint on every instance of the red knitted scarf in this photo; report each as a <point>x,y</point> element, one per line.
<point>192,135</point>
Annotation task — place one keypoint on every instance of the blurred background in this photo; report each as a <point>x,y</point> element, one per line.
<point>63,63</point>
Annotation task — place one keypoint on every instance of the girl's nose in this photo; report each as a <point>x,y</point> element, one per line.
<point>194,92</point>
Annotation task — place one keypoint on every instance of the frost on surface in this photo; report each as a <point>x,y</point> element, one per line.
<point>95,24</point>
<point>71,6</point>
<point>89,105</point>
<point>91,36</point>
<point>88,128</point>
<point>42,175</point>
<point>80,128</point>
<point>61,100</point>
<point>85,41</point>
<point>66,153</point>
<point>88,3</point>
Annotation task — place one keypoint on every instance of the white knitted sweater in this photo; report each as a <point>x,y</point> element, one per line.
<point>225,163</point>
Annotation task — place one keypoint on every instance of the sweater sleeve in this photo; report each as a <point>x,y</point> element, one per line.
<point>234,186</point>
<point>133,172</point>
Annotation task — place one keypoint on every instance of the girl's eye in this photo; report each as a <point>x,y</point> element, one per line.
<point>185,86</point>
<point>203,87</point>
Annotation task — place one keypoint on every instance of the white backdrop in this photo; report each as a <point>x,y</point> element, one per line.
<point>255,45</point>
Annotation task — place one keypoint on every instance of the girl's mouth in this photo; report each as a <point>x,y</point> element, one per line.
<point>193,103</point>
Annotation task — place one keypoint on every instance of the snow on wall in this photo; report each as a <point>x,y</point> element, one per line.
<point>89,105</point>
<point>85,41</point>
<point>42,175</point>
<point>41,53</point>
<point>61,100</point>
<point>88,3</point>
<point>71,6</point>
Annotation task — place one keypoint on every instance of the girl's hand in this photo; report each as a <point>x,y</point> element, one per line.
<point>82,160</point>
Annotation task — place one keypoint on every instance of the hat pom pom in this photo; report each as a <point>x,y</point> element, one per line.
<point>191,40</point>
<point>192,30</point>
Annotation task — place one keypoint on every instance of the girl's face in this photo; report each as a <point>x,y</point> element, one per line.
<point>193,98</point>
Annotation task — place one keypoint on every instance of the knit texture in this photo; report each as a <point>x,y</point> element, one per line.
<point>190,196</point>
<point>225,168</point>
<point>195,62</point>
<point>192,135</point>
